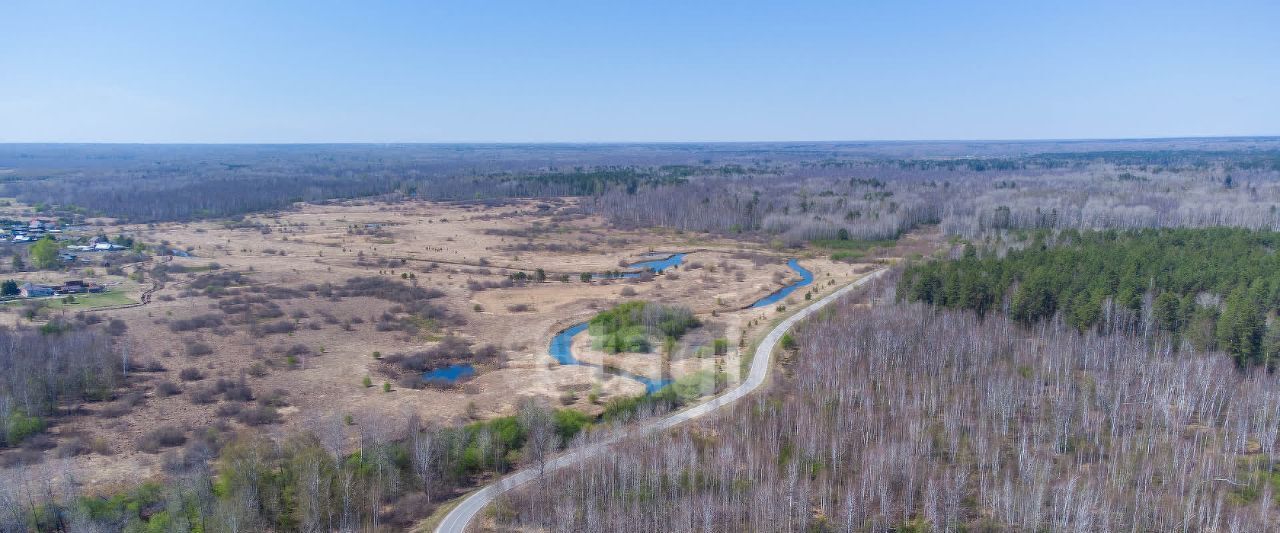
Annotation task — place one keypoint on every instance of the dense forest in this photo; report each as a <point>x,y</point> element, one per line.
<point>900,418</point>
<point>881,199</point>
<point>1215,288</point>
<point>790,207</point>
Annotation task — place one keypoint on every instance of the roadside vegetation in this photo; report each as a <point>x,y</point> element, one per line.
<point>681,392</point>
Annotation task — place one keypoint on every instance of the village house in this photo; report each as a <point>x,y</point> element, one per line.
<point>74,286</point>
<point>31,290</point>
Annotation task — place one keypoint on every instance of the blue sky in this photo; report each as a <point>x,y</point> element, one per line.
<point>283,71</point>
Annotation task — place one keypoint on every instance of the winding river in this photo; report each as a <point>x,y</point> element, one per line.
<point>806,278</point>
<point>562,350</point>
<point>562,344</point>
<point>563,341</point>
<point>655,265</point>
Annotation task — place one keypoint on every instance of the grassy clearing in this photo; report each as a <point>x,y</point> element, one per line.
<point>92,301</point>
<point>850,250</point>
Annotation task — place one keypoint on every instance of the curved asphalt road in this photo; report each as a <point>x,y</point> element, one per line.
<point>458,519</point>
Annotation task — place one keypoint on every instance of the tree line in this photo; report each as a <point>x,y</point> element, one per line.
<point>1214,288</point>
<point>774,191</point>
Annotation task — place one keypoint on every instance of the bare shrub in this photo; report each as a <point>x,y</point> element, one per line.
<point>195,322</point>
<point>259,416</point>
<point>257,370</point>
<point>276,398</point>
<point>21,457</point>
<point>39,442</point>
<point>198,349</point>
<point>116,327</point>
<point>72,446</point>
<point>168,388</point>
<point>234,391</point>
<point>202,395</point>
<point>115,410</point>
<point>161,437</point>
<point>229,409</point>
<point>410,381</point>
<point>283,326</point>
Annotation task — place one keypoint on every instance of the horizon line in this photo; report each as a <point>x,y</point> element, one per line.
<point>1029,140</point>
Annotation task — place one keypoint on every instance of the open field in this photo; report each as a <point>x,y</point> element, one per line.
<point>268,302</point>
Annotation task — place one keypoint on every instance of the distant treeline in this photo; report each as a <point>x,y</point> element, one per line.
<point>1167,159</point>
<point>791,192</point>
<point>183,193</point>
<point>1216,288</point>
<point>1155,160</point>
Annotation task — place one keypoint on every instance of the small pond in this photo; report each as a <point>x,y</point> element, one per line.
<point>450,374</point>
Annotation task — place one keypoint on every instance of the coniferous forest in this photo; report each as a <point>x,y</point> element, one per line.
<point>1211,288</point>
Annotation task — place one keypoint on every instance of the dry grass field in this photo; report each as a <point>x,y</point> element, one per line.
<point>266,310</point>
